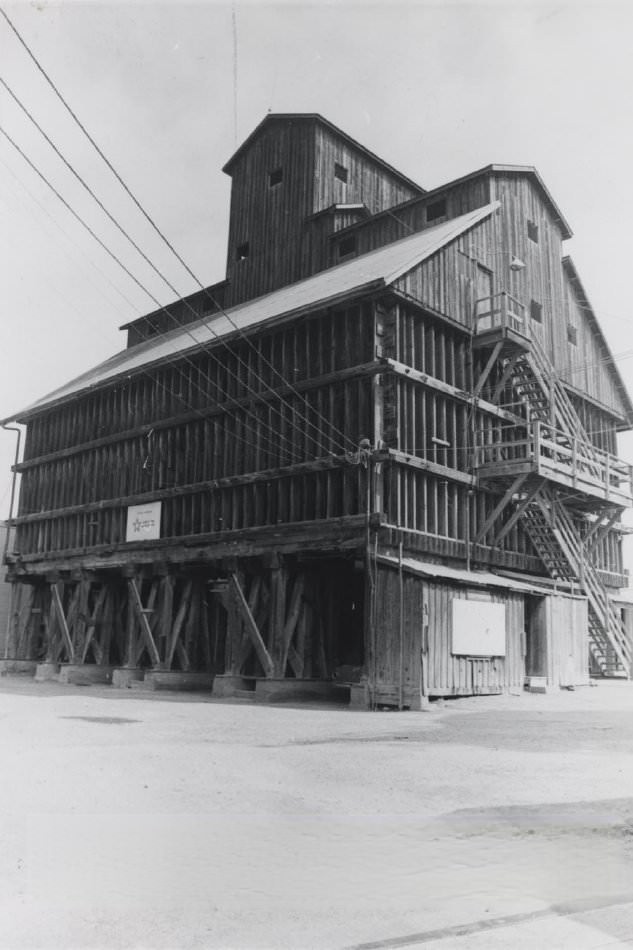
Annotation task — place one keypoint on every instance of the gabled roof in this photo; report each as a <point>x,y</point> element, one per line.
<point>315,117</point>
<point>589,312</point>
<point>525,170</point>
<point>371,271</point>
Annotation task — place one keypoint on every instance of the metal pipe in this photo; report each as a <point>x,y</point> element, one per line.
<point>401,629</point>
<point>13,481</point>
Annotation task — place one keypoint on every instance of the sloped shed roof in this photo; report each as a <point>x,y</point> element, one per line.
<point>370,271</point>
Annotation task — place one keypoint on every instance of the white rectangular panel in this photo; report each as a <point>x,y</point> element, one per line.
<point>479,628</point>
<point>143,522</point>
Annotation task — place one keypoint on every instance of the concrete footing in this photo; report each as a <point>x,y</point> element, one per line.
<point>178,680</point>
<point>84,674</point>
<point>233,687</point>
<point>280,690</point>
<point>536,684</point>
<point>360,697</point>
<point>127,677</point>
<point>46,671</point>
<point>23,667</point>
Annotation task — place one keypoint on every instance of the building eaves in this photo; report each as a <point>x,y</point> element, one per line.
<point>590,313</point>
<point>429,196</point>
<point>316,117</point>
<point>362,275</point>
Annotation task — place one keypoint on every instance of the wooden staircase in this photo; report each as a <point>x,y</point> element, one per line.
<point>560,547</point>
<point>534,383</point>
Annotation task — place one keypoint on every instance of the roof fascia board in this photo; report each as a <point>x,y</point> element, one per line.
<point>316,117</point>
<point>487,170</point>
<point>574,277</point>
<point>362,290</point>
<point>457,232</point>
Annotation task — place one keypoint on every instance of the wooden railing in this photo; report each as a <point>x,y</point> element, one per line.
<point>500,310</point>
<point>552,451</point>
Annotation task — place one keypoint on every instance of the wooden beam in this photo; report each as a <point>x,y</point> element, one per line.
<point>141,616</point>
<point>294,611</point>
<point>324,534</point>
<point>278,586</point>
<point>92,627</point>
<point>61,620</point>
<point>492,359</point>
<point>509,525</point>
<point>600,530</point>
<point>185,602</point>
<point>149,611</point>
<point>251,626</point>
<point>217,409</point>
<point>496,511</point>
<point>461,395</point>
<point>505,376</point>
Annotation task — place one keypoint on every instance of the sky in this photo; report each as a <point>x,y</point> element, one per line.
<point>168,91</point>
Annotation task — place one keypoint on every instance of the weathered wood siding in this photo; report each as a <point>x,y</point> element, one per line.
<point>368,182</point>
<point>216,437</point>
<point>271,219</point>
<point>585,363</point>
<point>558,644</point>
<point>424,640</point>
<point>284,245</point>
<point>413,215</point>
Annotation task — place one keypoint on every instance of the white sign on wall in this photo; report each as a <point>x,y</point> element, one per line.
<point>479,628</point>
<point>143,522</point>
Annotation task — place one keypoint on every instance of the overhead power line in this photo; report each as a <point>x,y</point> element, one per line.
<point>275,432</point>
<point>159,232</point>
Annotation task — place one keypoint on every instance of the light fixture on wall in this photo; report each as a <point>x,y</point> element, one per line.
<point>516,263</point>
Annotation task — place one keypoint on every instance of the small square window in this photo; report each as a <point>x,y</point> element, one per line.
<point>347,246</point>
<point>536,311</point>
<point>572,334</point>
<point>276,177</point>
<point>341,172</point>
<point>532,231</point>
<point>436,210</point>
<point>241,252</point>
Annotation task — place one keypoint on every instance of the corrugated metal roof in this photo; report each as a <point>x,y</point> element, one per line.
<point>376,269</point>
<point>462,576</point>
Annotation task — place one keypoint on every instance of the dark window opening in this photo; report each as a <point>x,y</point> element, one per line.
<point>532,231</point>
<point>536,311</point>
<point>572,334</point>
<point>242,251</point>
<point>347,246</point>
<point>436,210</point>
<point>340,172</point>
<point>276,177</point>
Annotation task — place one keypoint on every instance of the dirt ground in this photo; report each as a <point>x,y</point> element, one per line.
<point>145,820</point>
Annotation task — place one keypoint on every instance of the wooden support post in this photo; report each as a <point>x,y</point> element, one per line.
<point>278,586</point>
<point>57,606</point>
<point>185,602</point>
<point>130,633</point>
<point>294,610</point>
<point>492,359</point>
<point>165,614</point>
<point>251,627</point>
<point>505,376</point>
<point>492,517</point>
<point>149,612</point>
<point>517,514</point>
<point>91,640</point>
<point>141,617</point>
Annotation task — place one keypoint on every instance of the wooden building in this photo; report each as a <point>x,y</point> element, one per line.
<point>381,453</point>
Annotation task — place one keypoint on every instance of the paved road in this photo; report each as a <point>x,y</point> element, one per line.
<point>155,821</point>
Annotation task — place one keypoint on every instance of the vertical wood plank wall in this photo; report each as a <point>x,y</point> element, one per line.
<point>284,245</point>
<point>428,661</point>
<point>209,438</point>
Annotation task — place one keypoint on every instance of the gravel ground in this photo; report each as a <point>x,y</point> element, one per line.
<point>162,821</point>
